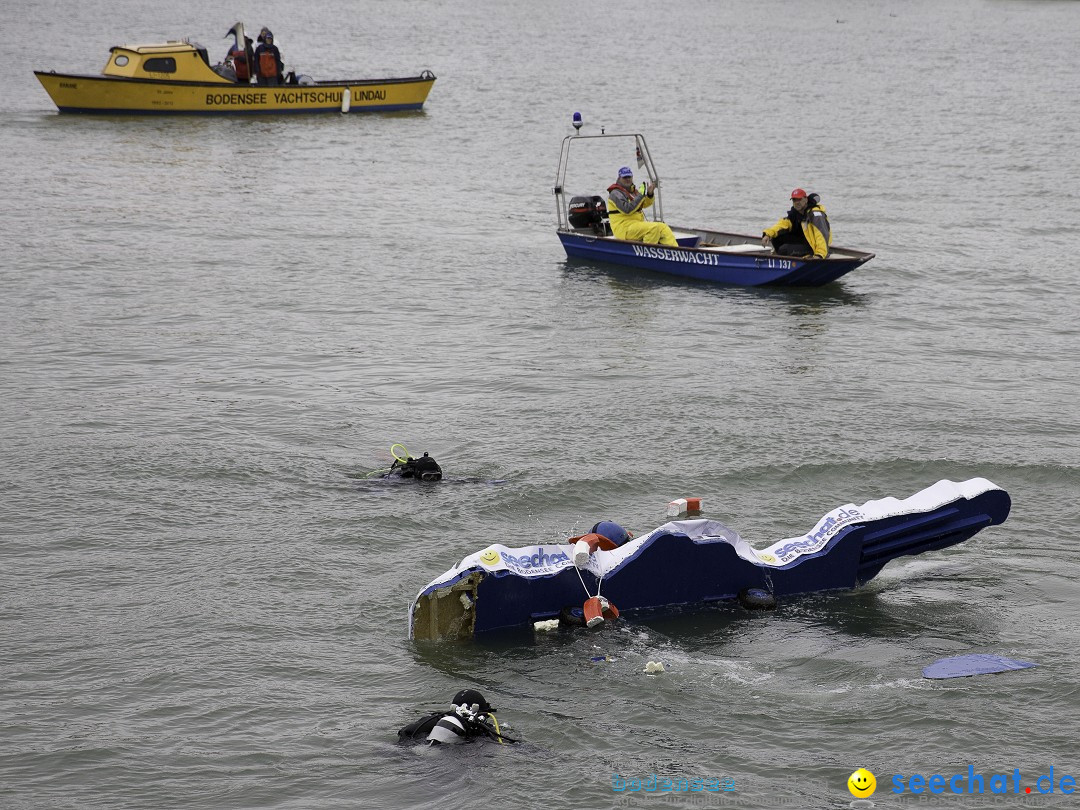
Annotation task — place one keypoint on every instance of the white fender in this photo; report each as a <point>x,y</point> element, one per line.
<point>581,554</point>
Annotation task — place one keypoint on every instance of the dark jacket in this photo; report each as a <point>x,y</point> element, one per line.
<point>268,64</point>
<point>813,223</point>
<point>479,727</point>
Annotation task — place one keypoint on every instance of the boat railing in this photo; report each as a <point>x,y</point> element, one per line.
<point>643,159</point>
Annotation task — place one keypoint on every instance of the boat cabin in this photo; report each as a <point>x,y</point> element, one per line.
<point>178,60</point>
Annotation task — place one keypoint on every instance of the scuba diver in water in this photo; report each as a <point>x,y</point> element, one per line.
<point>424,468</point>
<point>470,717</point>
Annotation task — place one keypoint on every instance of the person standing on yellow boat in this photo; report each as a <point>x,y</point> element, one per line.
<point>269,69</point>
<point>240,57</point>
<point>626,208</point>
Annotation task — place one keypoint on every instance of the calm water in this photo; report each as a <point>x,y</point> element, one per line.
<point>211,330</point>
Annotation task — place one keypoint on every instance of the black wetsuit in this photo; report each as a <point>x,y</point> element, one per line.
<point>424,468</point>
<point>480,726</point>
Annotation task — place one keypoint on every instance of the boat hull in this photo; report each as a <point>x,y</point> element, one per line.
<point>127,96</point>
<point>740,262</point>
<point>689,564</point>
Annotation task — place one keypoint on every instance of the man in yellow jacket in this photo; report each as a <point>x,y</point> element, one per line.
<point>625,207</point>
<point>804,231</point>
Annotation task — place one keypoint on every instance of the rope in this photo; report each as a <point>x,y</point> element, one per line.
<point>584,586</point>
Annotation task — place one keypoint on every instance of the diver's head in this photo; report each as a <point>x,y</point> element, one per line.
<point>426,468</point>
<point>471,697</point>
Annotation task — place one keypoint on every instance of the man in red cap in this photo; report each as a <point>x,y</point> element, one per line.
<point>804,231</point>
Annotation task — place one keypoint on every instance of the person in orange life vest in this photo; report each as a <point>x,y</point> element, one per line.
<point>625,207</point>
<point>269,69</point>
<point>804,231</point>
<point>241,59</point>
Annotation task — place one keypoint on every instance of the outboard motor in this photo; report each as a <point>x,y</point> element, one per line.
<point>588,212</point>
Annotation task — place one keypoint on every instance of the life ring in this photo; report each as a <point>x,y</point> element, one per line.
<point>756,599</point>
<point>595,541</point>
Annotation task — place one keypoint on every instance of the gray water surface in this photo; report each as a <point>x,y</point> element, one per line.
<point>211,331</point>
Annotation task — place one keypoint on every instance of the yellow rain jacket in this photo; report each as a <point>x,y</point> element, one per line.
<point>815,227</point>
<point>625,212</point>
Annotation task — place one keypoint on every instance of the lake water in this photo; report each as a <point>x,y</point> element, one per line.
<point>212,329</point>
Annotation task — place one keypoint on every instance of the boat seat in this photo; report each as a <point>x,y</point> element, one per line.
<point>740,248</point>
<point>686,238</point>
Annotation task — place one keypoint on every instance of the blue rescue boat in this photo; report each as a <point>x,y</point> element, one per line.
<point>709,255</point>
<point>687,564</point>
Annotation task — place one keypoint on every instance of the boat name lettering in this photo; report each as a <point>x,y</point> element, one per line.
<point>325,96</point>
<point>213,99</point>
<point>814,542</point>
<point>675,255</point>
<point>781,264</point>
<point>538,560</point>
<point>308,97</point>
<point>69,85</point>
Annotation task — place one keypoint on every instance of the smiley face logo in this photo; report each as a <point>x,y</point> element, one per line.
<point>769,558</point>
<point>862,784</point>
<point>489,557</point>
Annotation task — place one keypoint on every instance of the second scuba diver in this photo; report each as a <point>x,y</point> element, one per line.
<point>470,717</point>
<point>424,468</point>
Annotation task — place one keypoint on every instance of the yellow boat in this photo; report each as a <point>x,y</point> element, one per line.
<point>176,78</point>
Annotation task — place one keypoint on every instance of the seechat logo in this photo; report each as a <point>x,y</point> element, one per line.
<point>862,784</point>
<point>812,542</point>
<point>972,782</point>
<point>540,559</point>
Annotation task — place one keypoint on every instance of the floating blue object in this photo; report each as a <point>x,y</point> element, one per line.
<point>963,666</point>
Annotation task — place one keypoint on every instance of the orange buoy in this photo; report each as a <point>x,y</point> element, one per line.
<point>682,506</point>
<point>598,609</point>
